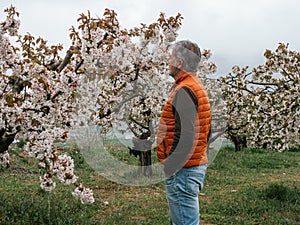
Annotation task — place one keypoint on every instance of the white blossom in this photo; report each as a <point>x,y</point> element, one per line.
<point>4,158</point>
<point>84,194</point>
<point>47,183</point>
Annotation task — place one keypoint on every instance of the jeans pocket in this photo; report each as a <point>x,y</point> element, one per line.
<point>170,181</point>
<point>171,186</point>
<point>194,182</point>
<point>192,186</point>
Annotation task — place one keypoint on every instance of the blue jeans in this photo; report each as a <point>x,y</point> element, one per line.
<point>182,190</point>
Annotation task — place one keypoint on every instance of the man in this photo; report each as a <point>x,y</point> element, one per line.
<point>183,135</point>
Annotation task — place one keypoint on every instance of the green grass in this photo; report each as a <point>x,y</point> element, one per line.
<point>249,187</point>
<point>252,187</point>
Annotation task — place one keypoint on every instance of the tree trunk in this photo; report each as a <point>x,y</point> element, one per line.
<point>6,140</point>
<point>142,150</point>
<point>239,141</point>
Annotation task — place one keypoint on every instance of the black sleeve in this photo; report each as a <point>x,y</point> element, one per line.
<point>185,109</point>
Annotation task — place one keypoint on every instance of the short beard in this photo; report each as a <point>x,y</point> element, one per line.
<point>173,71</point>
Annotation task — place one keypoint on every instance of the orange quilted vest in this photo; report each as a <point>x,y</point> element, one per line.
<point>166,128</point>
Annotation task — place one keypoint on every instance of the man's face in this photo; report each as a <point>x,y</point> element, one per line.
<point>173,68</point>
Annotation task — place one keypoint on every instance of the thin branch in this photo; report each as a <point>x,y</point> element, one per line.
<point>140,124</point>
<point>55,66</point>
<point>56,95</point>
<point>212,139</point>
<point>245,89</point>
<point>79,65</point>
<point>248,74</point>
<point>67,58</point>
<point>34,110</point>
<point>133,131</point>
<point>223,129</point>
<point>4,90</point>
<point>220,118</point>
<point>117,108</point>
<point>264,84</point>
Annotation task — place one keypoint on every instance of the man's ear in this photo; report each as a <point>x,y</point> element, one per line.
<point>179,63</point>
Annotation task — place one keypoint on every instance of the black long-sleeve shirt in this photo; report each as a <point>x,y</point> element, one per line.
<point>184,107</point>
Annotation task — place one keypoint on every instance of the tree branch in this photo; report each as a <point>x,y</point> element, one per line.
<point>140,124</point>
<point>212,139</point>
<point>67,58</point>
<point>262,83</point>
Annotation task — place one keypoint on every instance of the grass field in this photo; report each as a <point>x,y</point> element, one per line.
<point>249,187</point>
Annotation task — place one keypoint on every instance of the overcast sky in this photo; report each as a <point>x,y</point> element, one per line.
<point>237,31</point>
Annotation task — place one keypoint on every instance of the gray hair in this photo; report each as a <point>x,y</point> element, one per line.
<point>189,53</point>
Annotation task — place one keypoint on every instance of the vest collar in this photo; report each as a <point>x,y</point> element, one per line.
<point>183,76</point>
